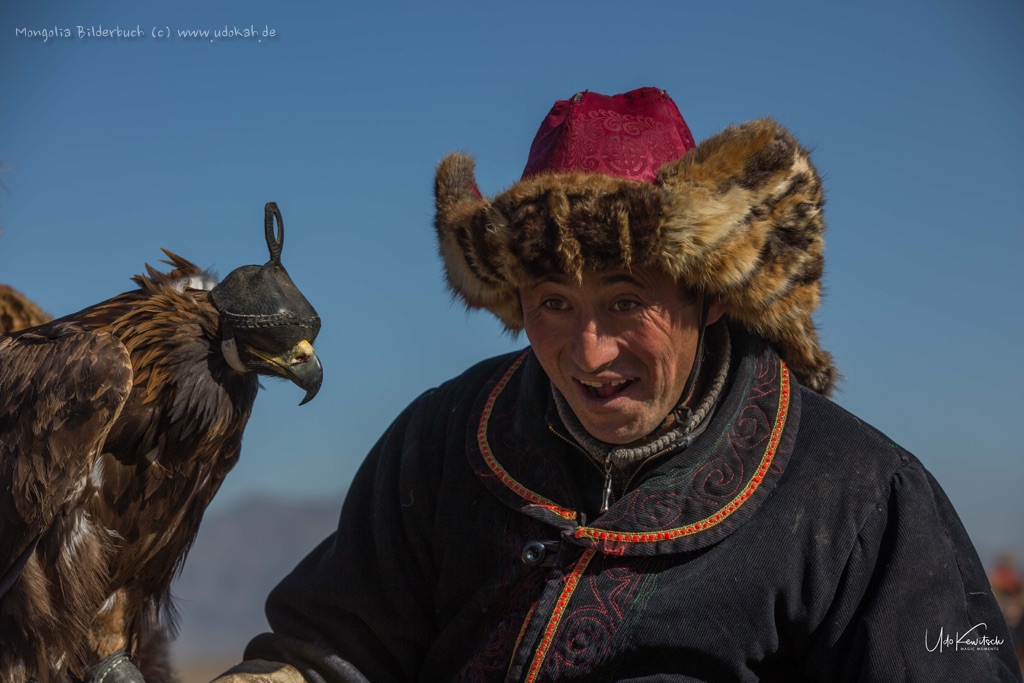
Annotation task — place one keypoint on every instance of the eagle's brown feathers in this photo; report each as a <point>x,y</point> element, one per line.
<point>117,426</point>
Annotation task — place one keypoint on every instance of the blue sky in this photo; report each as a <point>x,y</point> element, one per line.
<point>113,148</point>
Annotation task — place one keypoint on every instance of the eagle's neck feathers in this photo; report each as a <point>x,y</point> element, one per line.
<point>185,275</point>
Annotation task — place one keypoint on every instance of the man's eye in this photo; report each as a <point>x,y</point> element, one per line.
<point>553,304</point>
<point>625,305</point>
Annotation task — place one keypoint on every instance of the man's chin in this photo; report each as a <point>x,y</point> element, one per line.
<point>615,433</point>
<point>618,420</point>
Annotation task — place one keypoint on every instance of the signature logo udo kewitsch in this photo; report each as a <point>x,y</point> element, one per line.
<point>975,638</point>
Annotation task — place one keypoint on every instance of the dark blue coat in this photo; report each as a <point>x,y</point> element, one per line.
<point>790,542</point>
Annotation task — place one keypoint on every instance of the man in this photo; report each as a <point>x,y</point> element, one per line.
<point>657,489</point>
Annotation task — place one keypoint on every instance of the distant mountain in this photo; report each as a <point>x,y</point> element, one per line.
<point>239,555</point>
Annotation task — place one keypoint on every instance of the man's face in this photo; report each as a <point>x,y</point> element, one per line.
<point>619,346</point>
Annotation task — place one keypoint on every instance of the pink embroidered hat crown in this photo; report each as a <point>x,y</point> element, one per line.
<point>617,182</point>
<point>627,136</point>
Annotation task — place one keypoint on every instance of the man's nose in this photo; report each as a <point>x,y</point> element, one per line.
<point>593,346</point>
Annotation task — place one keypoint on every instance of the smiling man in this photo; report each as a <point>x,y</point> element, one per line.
<point>658,488</point>
<point>618,345</point>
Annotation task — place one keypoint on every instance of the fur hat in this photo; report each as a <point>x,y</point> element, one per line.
<point>617,182</point>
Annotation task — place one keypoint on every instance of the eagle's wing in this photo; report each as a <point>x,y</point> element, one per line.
<point>61,389</point>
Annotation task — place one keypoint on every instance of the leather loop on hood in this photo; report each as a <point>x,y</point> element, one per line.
<point>264,297</point>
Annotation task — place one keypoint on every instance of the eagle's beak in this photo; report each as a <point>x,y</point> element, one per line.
<point>301,365</point>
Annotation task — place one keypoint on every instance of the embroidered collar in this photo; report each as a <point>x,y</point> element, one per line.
<point>684,503</point>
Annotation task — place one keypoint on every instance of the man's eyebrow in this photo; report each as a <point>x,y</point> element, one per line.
<point>607,279</point>
<point>555,278</point>
<point>614,278</point>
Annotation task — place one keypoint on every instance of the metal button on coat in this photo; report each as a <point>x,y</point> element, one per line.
<point>536,552</point>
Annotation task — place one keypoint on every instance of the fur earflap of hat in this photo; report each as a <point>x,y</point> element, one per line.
<point>740,217</point>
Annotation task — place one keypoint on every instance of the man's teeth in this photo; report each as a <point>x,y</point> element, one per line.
<point>614,383</point>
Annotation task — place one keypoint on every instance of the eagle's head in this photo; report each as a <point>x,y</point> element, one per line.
<point>268,326</point>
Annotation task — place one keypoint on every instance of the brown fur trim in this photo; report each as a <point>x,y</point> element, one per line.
<point>18,312</point>
<point>743,220</point>
<point>469,234</point>
<point>738,217</point>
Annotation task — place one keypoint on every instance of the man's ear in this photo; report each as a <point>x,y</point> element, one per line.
<point>716,310</point>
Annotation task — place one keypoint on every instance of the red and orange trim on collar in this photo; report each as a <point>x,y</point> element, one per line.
<point>726,510</point>
<point>492,462</point>
<point>585,533</point>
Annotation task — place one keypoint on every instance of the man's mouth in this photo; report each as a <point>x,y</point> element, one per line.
<point>605,389</point>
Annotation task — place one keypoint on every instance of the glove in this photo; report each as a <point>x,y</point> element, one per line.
<point>116,668</point>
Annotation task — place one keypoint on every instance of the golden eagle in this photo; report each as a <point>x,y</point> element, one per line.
<point>117,426</point>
